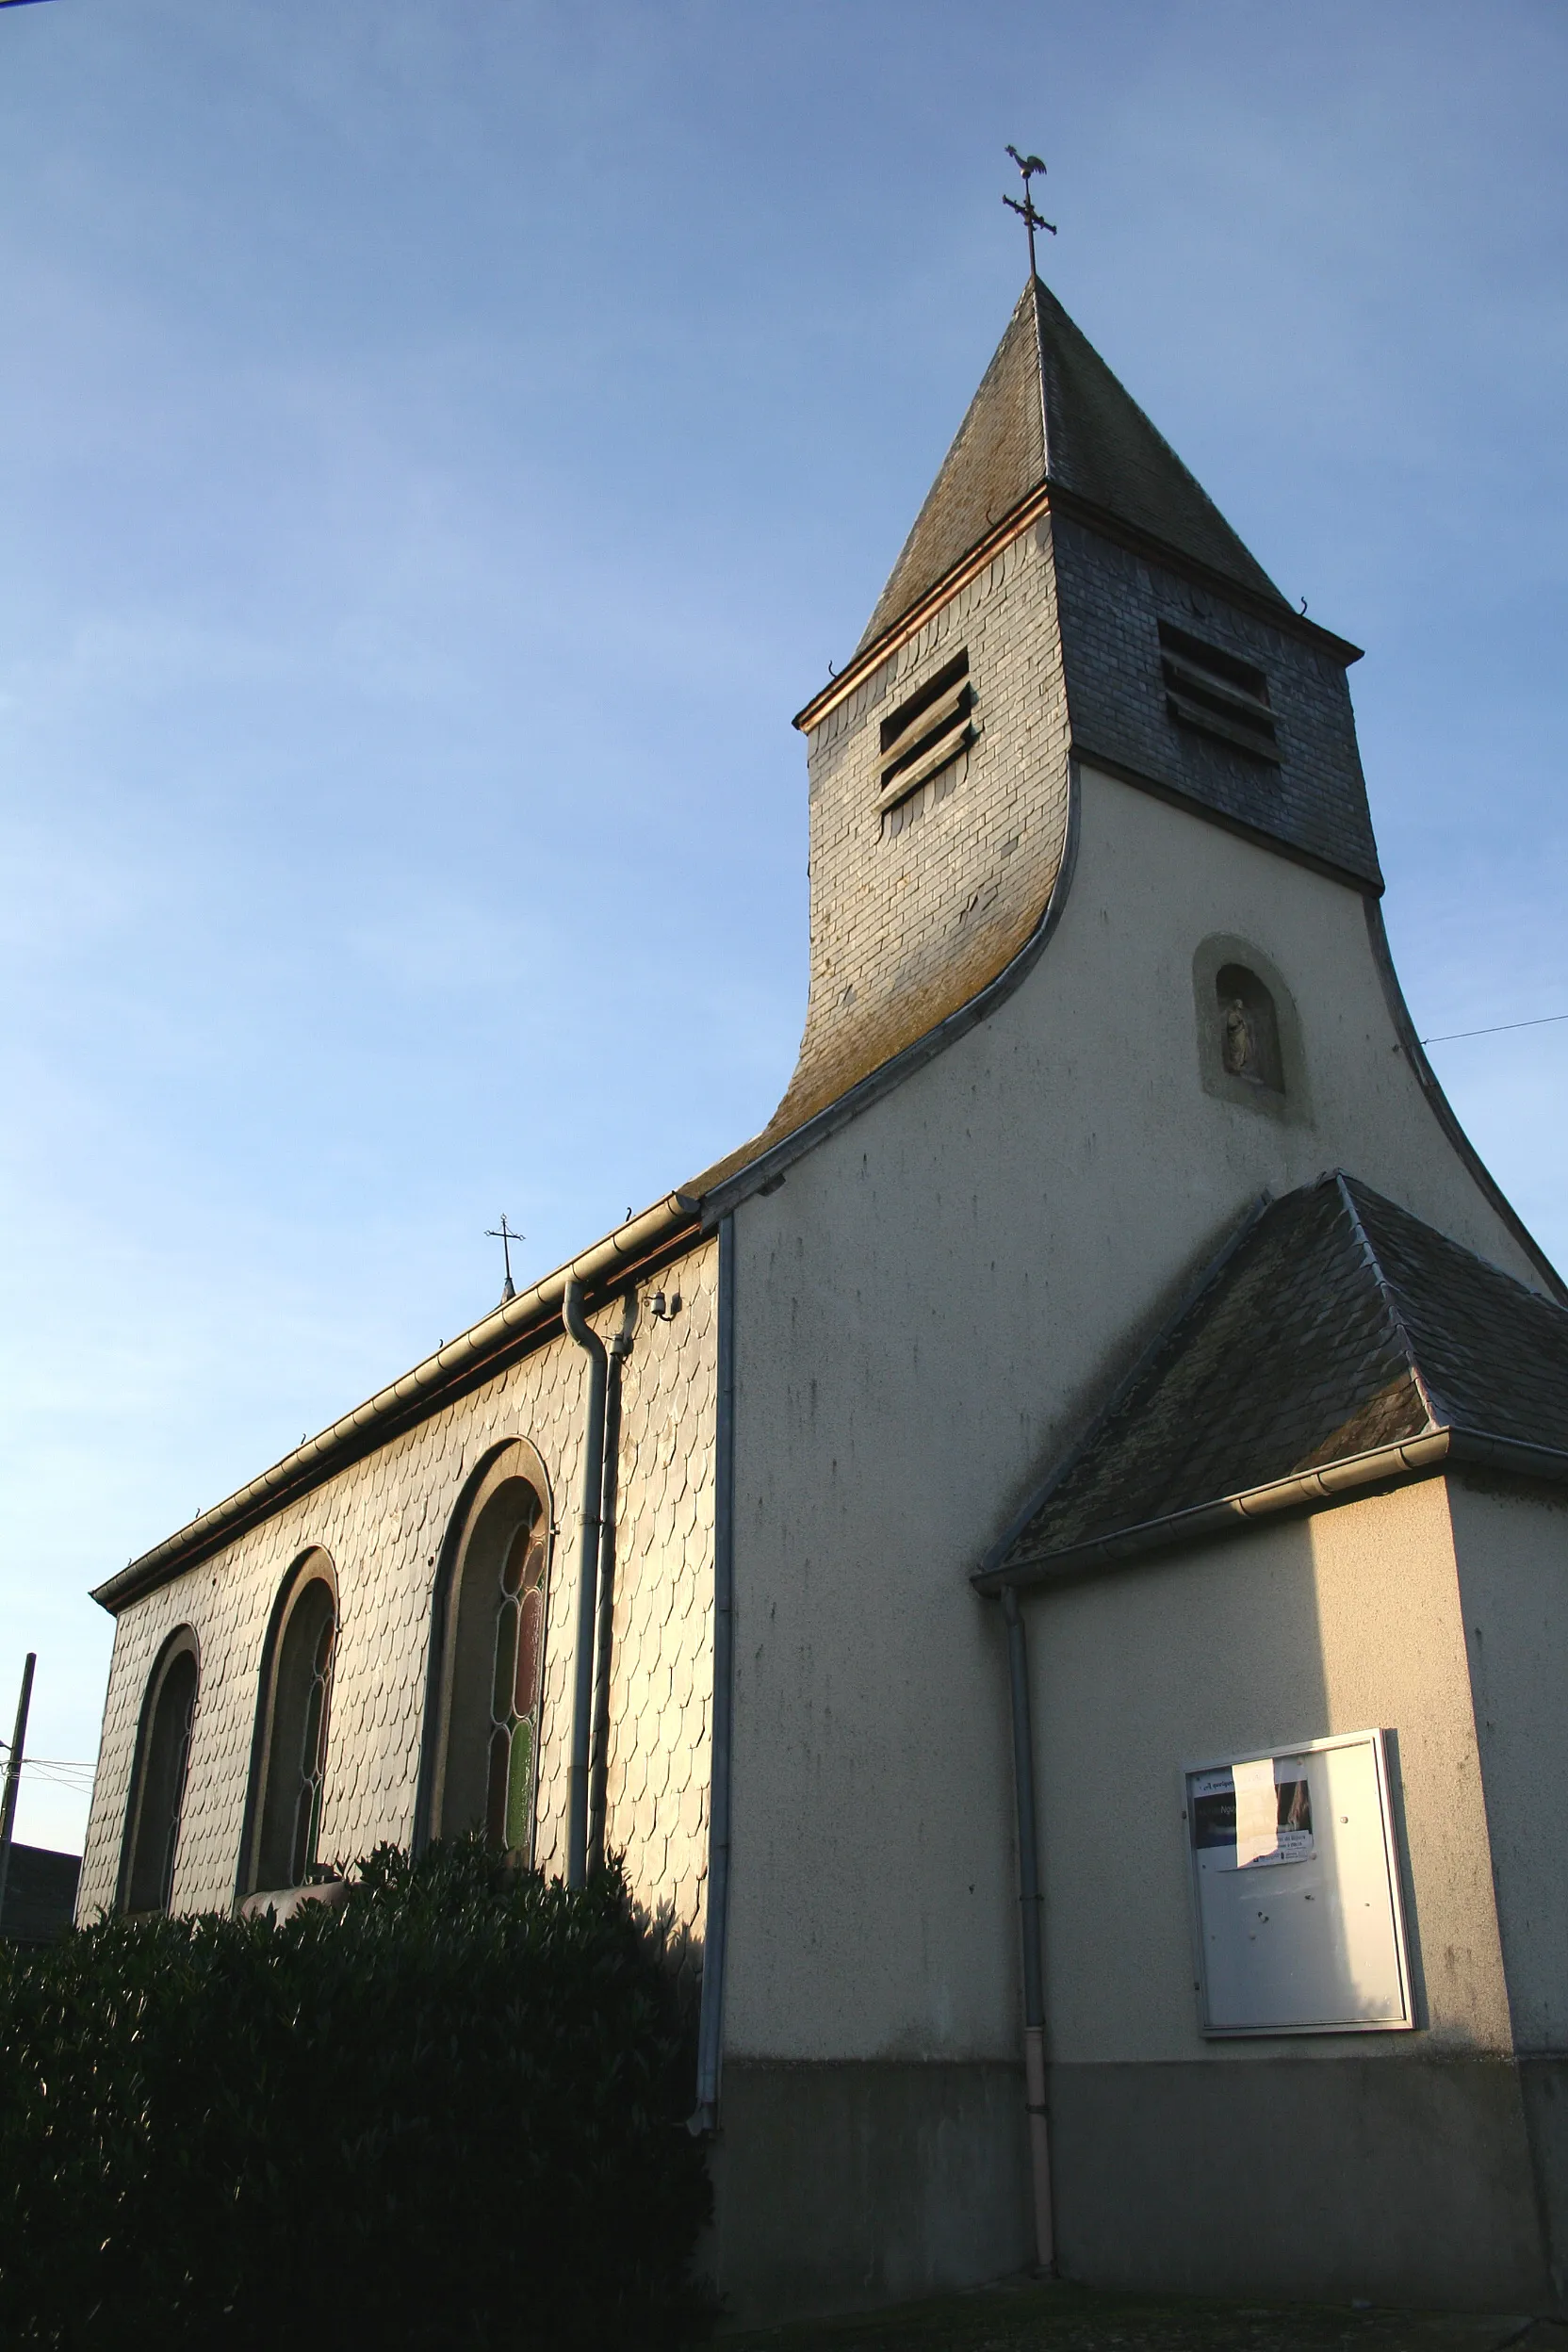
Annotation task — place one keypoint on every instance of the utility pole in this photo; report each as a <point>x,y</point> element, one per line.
<point>13,1774</point>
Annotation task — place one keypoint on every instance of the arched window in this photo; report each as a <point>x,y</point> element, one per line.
<point>489,1655</point>
<point>157,1782</point>
<point>1249,1028</point>
<point>297,1690</point>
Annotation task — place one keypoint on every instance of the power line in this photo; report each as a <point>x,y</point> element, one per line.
<point>1543,1022</point>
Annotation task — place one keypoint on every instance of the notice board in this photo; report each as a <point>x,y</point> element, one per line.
<point>1298,1918</point>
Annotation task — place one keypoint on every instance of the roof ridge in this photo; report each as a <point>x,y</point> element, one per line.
<point>1436,1419</point>
<point>1037,287</point>
<point>1077,429</point>
<point>1066,352</point>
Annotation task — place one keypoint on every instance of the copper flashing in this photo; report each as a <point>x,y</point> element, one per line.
<point>984,551</point>
<point>1053,496</point>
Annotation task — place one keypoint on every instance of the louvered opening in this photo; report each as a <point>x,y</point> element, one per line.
<point>926,731</point>
<point>1217,692</point>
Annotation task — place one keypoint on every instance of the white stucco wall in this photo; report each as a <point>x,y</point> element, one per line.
<point>383,1520</point>
<point>1347,1621</point>
<point>927,1310</point>
<point>1512,1550</point>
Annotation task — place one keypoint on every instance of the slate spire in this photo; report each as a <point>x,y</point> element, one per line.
<point>1049,413</point>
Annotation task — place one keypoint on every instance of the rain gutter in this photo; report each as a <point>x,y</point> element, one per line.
<point>1407,1458</point>
<point>406,1401</point>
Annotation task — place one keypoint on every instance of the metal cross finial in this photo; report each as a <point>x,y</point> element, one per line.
<point>504,1234</point>
<point>1029,166</point>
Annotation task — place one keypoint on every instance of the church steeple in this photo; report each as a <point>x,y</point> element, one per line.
<point>1069,599</point>
<point>1050,415</point>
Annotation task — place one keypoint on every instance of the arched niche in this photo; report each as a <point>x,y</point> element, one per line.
<point>1248,1027</point>
<point>480,1768</point>
<point>1250,1043</point>
<point>157,1797</point>
<point>293,1714</point>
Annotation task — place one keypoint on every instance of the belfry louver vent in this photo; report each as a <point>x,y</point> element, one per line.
<point>926,731</point>
<point>1217,693</point>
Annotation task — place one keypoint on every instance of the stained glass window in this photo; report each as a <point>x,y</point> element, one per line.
<point>158,1799</point>
<point>519,1649</point>
<point>290,1827</point>
<point>313,1748</point>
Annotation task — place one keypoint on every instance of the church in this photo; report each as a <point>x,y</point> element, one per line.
<point>1051,1563</point>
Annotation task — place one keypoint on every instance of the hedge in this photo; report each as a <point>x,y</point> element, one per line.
<point>449,2113</point>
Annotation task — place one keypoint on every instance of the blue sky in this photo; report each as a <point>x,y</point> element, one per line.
<point>443,441</point>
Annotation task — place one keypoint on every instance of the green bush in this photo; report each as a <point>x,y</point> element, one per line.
<point>448,2113</point>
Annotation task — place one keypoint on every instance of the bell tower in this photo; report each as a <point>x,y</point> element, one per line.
<point>1067,592</point>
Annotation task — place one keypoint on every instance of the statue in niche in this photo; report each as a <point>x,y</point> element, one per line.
<point>1249,1029</point>
<point>1240,1046</point>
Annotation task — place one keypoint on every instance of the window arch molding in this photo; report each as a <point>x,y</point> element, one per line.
<point>155,1799</point>
<point>289,1743</point>
<point>505,1514</point>
<point>1279,1089</point>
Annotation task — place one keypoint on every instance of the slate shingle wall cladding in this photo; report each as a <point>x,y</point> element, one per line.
<point>908,920</point>
<point>381,1520</point>
<point>1112,602</point>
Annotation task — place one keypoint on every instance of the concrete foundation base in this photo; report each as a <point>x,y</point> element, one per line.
<point>1318,2178</point>
<point>1433,2182</point>
<point>843,2186</point>
<point>1546,2087</point>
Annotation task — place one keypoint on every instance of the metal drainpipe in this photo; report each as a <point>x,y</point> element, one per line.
<point>599,1747</point>
<point>705,2115</point>
<point>593,1493</point>
<point>1029,1920</point>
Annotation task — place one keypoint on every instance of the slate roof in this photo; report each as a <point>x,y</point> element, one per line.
<point>1336,1325</point>
<point>1050,410</point>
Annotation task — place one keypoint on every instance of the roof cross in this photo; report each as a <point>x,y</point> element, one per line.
<point>504,1234</point>
<point>1029,166</point>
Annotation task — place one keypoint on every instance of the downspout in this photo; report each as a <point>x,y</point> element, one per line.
<point>711,2020</point>
<point>588,1558</point>
<point>599,1750</point>
<point>1029,1922</point>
